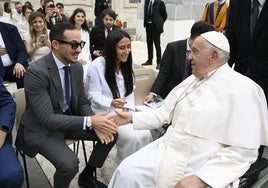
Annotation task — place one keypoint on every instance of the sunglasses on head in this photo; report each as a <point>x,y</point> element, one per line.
<point>51,6</point>
<point>74,45</point>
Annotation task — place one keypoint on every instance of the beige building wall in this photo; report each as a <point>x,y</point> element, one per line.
<point>131,12</point>
<point>181,14</point>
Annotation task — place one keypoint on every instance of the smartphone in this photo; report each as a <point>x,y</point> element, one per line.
<point>43,37</point>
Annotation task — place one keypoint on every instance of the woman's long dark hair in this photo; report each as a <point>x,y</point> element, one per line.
<point>110,55</point>
<point>84,26</point>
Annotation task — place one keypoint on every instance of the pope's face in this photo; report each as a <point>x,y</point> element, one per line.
<point>200,58</point>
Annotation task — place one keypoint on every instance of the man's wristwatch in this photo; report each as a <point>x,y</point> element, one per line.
<point>88,123</point>
<point>4,128</point>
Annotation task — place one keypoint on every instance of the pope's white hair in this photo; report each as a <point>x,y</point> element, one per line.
<point>223,55</point>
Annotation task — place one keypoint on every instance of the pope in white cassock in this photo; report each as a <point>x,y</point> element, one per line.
<point>219,120</point>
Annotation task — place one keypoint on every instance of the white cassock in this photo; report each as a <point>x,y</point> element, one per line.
<point>218,124</point>
<point>100,95</point>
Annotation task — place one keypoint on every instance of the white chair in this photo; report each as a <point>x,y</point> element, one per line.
<point>144,79</point>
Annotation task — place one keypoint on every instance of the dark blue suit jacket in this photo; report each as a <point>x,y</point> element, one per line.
<point>14,44</point>
<point>7,107</point>
<point>171,72</point>
<point>11,173</point>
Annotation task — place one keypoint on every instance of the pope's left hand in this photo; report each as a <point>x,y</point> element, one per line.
<point>191,182</point>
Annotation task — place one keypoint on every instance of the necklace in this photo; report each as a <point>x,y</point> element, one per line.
<point>195,84</point>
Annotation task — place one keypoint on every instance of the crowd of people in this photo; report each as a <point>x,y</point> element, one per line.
<point>217,114</point>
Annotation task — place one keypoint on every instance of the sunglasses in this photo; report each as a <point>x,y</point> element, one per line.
<point>74,45</point>
<point>51,6</point>
<point>59,7</point>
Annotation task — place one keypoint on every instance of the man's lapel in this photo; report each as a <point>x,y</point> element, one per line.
<point>55,78</point>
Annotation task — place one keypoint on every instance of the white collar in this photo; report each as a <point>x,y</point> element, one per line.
<point>187,45</point>
<point>59,64</point>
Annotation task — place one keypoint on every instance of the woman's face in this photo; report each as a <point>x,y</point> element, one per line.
<point>123,48</point>
<point>27,13</point>
<point>79,18</point>
<point>38,24</point>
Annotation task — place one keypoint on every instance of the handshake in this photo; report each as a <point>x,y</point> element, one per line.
<point>105,127</point>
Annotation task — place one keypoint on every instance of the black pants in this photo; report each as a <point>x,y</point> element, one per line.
<point>64,159</point>
<point>8,76</point>
<point>153,36</point>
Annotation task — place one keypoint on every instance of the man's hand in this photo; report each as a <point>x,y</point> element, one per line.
<point>2,138</point>
<point>102,124</point>
<point>191,182</point>
<point>2,50</point>
<point>148,98</point>
<point>97,53</point>
<point>121,117</point>
<point>19,70</point>
<point>104,138</point>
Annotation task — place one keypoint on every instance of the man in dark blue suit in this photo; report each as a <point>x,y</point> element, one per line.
<point>11,173</point>
<point>13,54</point>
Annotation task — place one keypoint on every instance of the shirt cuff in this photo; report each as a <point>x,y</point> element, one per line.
<point>85,123</point>
<point>154,94</point>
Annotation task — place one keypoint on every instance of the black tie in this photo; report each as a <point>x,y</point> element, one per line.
<point>1,68</point>
<point>254,16</point>
<point>150,8</point>
<point>67,85</point>
<point>108,32</point>
<point>149,13</point>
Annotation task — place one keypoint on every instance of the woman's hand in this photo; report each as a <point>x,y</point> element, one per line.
<point>118,103</point>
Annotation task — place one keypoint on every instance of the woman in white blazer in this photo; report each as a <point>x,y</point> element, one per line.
<point>110,86</point>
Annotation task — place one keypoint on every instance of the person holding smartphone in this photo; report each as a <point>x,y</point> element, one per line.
<point>52,14</point>
<point>36,42</point>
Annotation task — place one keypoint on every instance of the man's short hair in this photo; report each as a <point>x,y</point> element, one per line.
<point>60,4</point>
<point>17,3</point>
<point>56,33</point>
<point>109,12</point>
<point>47,1</point>
<point>200,27</point>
